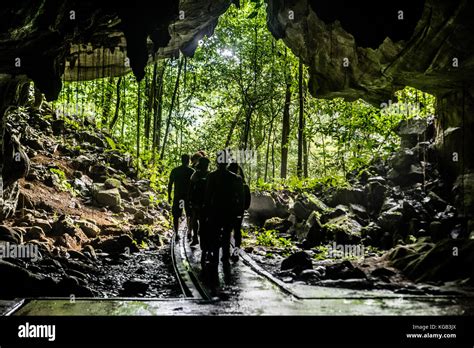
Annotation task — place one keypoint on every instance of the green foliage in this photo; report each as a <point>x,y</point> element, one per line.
<point>111,143</point>
<point>62,182</point>
<point>294,184</point>
<point>232,94</point>
<point>321,253</point>
<point>269,238</point>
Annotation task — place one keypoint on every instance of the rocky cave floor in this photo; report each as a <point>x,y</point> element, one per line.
<point>102,232</point>
<point>369,273</point>
<point>99,231</point>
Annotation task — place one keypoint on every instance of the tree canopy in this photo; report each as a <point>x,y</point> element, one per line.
<point>242,90</point>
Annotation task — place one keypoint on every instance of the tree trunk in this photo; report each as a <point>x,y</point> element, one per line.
<point>168,121</point>
<point>117,104</point>
<point>124,107</point>
<point>267,153</point>
<point>231,129</point>
<point>107,100</point>
<point>139,101</point>
<point>149,91</point>
<point>285,132</point>
<point>158,111</point>
<point>248,119</point>
<point>305,155</point>
<point>299,167</point>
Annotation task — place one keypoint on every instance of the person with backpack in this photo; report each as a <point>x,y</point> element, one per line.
<point>235,168</point>
<point>180,178</point>
<point>224,199</point>
<point>197,191</point>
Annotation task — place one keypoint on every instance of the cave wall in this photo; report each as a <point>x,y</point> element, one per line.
<point>455,131</point>
<point>351,64</point>
<point>364,50</point>
<point>51,40</point>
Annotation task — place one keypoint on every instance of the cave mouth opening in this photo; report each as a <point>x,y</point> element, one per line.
<point>327,174</point>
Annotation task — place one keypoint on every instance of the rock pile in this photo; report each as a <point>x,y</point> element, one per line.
<point>80,199</point>
<point>393,202</point>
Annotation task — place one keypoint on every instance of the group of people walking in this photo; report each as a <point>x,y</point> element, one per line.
<point>214,204</point>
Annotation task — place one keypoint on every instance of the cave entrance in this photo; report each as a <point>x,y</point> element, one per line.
<point>347,195</point>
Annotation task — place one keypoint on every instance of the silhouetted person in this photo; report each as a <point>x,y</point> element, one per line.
<point>223,201</point>
<point>237,223</point>
<point>180,177</point>
<point>197,191</point>
<point>195,158</point>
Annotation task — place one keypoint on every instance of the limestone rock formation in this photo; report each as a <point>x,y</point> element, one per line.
<point>352,54</point>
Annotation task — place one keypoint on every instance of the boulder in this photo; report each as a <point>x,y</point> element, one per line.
<point>115,244</point>
<point>58,127</point>
<point>44,224</point>
<point>391,220</point>
<point>34,233</point>
<point>379,179</point>
<point>8,234</point>
<point>413,130</point>
<point>376,192</point>
<point>309,275</point>
<point>18,282</point>
<point>312,232</point>
<point>81,186</point>
<point>68,242</point>
<point>74,254</point>
<point>391,204</point>
<point>124,193</point>
<point>90,251</point>
<point>421,261</point>
<point>63,225</point>
<point>355,284</point>
<point>305,203</point>
<point>412,209</point>
<point>412,176</point>
<point>346,196</point>
<point>359,211</point>
<point>143,218</point>
<point>333,213</point>
<point>145,201</point>
<point>68,285</point>
<point>403,159</point>
<point>343,230</point>
<point>141,232</point>
<point>263,207</point>
<point>297,262</point>
<point>120,161</point>
<point>91,138</point>
<point>89,229</point>
<point>372,233</point>
<point>276,223</point>
<point>130,209</point>
<point>434,202</point>
<point>98,172</point>
<point>108,198</point>
<point>82,162</point>
<point>112,183</point>
<point>344,270</point>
